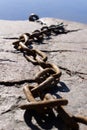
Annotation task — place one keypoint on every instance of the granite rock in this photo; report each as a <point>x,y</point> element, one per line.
<point>68,51</point>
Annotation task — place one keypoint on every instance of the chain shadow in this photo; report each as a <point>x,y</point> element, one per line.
<point>47,121</point>
<point>39,120</point>
<point>63,87</point>
<point>60,87</point>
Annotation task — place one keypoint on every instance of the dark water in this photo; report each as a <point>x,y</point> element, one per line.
<point>75,10</point>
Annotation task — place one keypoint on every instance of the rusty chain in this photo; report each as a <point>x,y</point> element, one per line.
<point>49,76</point>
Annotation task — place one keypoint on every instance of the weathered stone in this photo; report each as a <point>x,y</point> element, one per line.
<point>68,51</point>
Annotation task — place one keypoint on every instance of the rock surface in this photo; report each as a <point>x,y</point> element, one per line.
<point>68,51</point>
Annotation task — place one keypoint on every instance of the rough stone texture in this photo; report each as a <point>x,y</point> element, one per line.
<point>68,51</point>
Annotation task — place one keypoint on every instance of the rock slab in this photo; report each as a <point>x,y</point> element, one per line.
<point>68,51</point>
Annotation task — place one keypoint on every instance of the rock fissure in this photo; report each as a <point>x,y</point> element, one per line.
<point>11,83</point>
<point>71,73</point>
<point>15,74</point>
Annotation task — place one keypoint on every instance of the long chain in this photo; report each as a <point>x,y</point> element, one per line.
<point>48,77</point>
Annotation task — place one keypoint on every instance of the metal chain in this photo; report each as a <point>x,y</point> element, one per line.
<point>49,76</point>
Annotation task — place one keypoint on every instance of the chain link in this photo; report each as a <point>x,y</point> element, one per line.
<point>49,76</point>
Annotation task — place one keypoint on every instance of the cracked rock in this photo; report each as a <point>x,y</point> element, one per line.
<point>68,51</point>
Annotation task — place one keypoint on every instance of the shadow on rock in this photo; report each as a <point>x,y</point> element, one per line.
<point>75,30</point>
<point>50,118</point>
<point>47,121</point>
<point>63,87</point>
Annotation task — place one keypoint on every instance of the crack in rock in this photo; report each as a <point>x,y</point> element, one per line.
<point>69,72</point>
<point>3,60</point>
<point>10,38</point>
<point>10,51</point>
<point>49,51</point>
<point>11,83</point>
<point>13,107</point>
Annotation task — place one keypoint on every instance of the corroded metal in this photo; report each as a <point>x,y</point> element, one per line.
<point>33,17</point>
<point>41,104</point>
<point>39,35</point>
<point>37,57</point>
<point>48,77</point>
